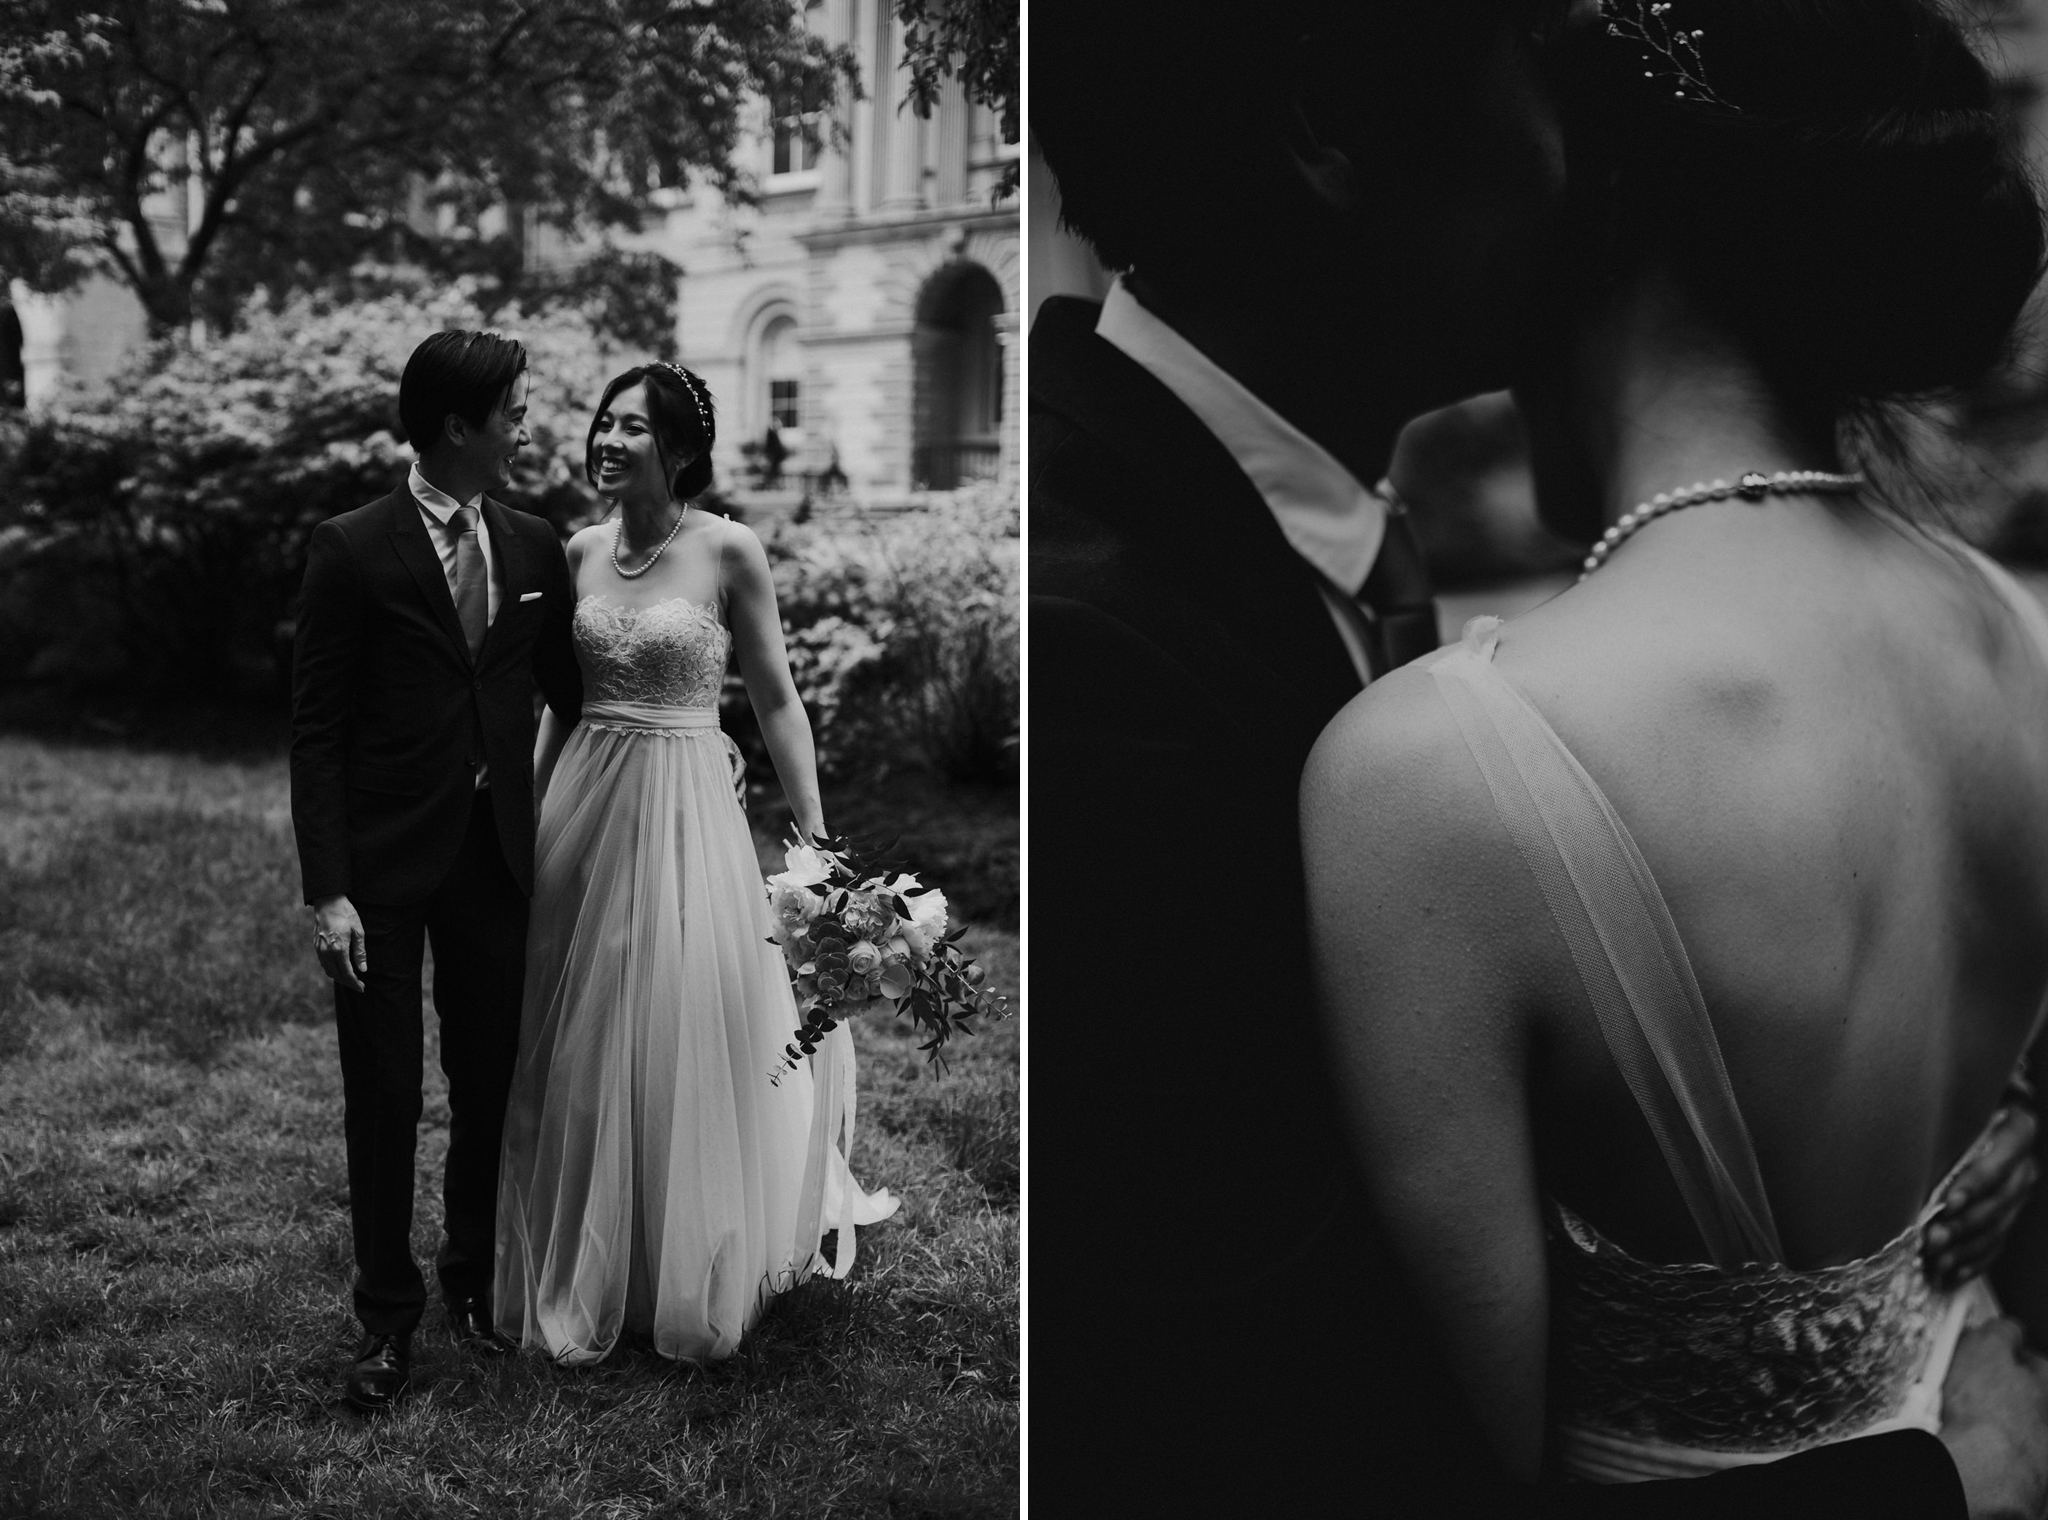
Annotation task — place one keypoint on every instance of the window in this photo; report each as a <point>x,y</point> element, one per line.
<point>793,152</point>
<point>794,138</point>
<point>778,400</point>
<point>795,133</point>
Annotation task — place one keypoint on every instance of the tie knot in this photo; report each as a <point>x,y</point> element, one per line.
<point>462,520</point>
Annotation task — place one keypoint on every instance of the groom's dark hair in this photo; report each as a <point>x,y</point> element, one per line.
<point>1145,109</point>
<point>459,372</point>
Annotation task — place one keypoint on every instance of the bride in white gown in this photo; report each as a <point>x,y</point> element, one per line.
<point>654,1181</point>
<point>1680,937</point>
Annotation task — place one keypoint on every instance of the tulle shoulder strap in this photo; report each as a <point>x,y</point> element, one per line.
<point>2025,606</point>
<point>1624,945</point>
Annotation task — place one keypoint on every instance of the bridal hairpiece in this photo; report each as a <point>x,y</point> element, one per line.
<point>1651,27</point>
<point>691,384</point>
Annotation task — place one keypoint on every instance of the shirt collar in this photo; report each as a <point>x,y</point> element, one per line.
<point>438,503</point>
<point>1329,518</point>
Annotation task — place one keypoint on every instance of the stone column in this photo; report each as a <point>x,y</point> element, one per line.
<point>872,121</point>
<point>949,146</point>
<point>906,132</point>
<point>1013,404</point>
<point>835,167</point>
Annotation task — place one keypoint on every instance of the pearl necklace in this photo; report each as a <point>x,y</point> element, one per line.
<point>619,532</point>
<point>1754,486</point>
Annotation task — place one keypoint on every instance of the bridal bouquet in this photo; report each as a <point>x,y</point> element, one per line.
<point>860,935</point>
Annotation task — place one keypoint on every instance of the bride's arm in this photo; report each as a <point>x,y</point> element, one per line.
<point>2021,1273</point>
<point>547,749</point>
<point>1420,992</point>
<point>554,729</point>
<point>764,665</point>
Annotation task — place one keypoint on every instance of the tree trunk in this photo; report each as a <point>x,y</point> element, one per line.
<point>168,300</point>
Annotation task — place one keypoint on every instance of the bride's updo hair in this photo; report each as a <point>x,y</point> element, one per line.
<point>1832,180</point>
<point>681,417</point>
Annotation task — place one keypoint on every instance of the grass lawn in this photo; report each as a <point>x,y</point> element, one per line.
<point>174,1241</point>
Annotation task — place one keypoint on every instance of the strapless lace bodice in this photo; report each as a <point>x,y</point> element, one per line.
<point>672,653</point>
<point>1763,1360</point>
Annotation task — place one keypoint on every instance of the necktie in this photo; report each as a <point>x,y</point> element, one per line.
<point>1397,591</point>
<point>472,581</point>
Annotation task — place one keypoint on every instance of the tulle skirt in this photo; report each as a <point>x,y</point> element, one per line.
<point>654,1180</point>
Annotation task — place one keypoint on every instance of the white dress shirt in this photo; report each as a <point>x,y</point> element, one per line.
<point>1331,520</point>
<point>437,506</point>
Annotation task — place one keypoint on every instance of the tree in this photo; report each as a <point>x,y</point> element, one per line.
<point>306,129</point>
<point>975,41</point>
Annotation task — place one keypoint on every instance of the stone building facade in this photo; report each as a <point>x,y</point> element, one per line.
<point>866,308</point>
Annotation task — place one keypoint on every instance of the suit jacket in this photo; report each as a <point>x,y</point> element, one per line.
<point>1219,1326</point>
<point>390,714</point>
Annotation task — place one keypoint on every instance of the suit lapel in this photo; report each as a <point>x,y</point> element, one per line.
<point>1196,512</point>
<point>415,550</point>
<point>510,554</point>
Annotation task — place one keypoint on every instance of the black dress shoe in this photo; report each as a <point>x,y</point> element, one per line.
<point>379,1374</point>
<point>474,1328</point>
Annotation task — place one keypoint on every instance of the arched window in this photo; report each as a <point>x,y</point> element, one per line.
<point>13,375</point>
<point>959,409</point>
<point>781,371</point>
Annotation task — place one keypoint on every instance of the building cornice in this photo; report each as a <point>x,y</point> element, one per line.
<point>889,227</point>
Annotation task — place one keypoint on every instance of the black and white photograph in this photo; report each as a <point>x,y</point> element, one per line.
<point>589,587</point>
<point>511,763</point>
<point>1537,740</point>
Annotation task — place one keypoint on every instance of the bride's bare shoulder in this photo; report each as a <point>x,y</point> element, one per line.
<point>1390,774</point>
<point>585,539</point>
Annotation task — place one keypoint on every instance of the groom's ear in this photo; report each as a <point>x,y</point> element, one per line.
<point>1316,163</point>
<point>1321,116</point>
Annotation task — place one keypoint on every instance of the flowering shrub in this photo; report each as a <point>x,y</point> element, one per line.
<point>902,635</point>
<point>154,528</point>
<point>155,525</point>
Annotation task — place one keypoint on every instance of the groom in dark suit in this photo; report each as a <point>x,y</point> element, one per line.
<point>426,621</point>
<point>1326,214</point>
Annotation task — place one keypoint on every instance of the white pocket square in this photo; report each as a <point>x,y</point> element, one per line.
<point>528,596</point>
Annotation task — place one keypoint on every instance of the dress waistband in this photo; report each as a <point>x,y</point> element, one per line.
<point>1606,1456</point>
<point>647,715</point>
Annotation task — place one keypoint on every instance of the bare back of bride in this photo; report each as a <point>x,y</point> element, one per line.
<point>1681,937</point>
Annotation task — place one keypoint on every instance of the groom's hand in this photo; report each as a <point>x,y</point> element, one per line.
<point>1984,1200</point>
<point>343,947</point>
<point>1994,1422</point>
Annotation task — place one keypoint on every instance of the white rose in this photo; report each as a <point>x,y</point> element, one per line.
<point>805,866</point>
<point>792,906</point>
<point>867,916</point>
<point>926,925</point>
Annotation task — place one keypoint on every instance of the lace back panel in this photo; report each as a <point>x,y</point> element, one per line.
<point>671,653</point>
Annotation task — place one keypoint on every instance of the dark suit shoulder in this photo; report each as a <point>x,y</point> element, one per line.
<point>1079,555</point>
<point>1090,646</point>
<point>372,517</point>
<point>531,524</point>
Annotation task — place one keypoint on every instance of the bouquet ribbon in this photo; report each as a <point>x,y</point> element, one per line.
<point>655,718</point>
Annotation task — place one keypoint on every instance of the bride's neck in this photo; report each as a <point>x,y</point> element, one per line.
<point>1670,402</point>
<point>647,519</point>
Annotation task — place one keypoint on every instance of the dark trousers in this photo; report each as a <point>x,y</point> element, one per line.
<point>476,919</point>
